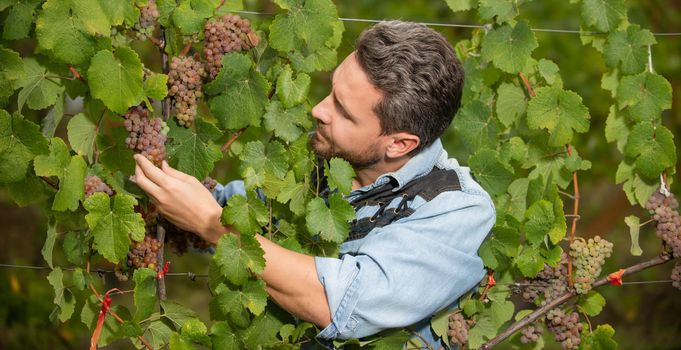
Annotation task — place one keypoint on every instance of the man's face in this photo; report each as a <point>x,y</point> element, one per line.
<point>347,126</point>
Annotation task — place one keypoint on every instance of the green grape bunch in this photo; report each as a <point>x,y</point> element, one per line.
<point>145,25</point>
<point>665,212</point>
<point>588,258</point>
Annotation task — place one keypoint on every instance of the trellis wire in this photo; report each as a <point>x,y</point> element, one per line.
<point>192,275</point>
<point>459,25</point>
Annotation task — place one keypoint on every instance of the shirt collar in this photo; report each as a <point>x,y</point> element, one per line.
<point>418,165</point>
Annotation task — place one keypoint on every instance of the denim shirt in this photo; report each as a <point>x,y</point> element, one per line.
<point>402,274</point>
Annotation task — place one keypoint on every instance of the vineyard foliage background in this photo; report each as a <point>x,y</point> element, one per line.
<point>70,69</point>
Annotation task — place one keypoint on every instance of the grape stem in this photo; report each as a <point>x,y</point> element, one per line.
<point>75,73</point>
<point>658,260</point>
<point>231,140</point>
<point>527,84</point>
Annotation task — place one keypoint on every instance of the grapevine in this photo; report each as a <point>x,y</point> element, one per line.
<point>229,33</point>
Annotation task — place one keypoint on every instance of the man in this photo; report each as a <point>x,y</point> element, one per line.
<point>420,216</point>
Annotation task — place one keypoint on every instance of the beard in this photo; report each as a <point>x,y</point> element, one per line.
<point>327,149</point>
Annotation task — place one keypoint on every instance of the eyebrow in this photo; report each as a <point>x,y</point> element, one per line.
<point>337,103</point>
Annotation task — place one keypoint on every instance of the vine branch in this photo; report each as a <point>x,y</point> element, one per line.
<point>658,260</point>
<point>527,84</point>
<point>231,140</point>
<point>575,213</point>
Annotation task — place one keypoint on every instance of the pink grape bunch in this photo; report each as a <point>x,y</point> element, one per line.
<point>229,33</point>
<point>185,82</point>
<point>146,135</point>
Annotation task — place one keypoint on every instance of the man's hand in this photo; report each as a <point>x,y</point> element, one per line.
<point>181,198</point>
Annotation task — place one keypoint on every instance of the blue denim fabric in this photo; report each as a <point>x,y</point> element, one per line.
<point>401,274</point>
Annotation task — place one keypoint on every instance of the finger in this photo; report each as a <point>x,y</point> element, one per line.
<point>151,172</point>
<point>174,172</point>
<point>145,184</point>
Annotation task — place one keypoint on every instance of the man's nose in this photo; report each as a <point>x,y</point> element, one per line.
<point>321,111</point>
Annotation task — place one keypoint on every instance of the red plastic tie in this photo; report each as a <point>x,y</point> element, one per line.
<point>615,278</point>
<point>106,305</point>
<point>162,273</point>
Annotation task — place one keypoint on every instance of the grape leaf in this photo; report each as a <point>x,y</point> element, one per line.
<point>19,20</point>
<point>287,124</point>
<point>120,12</point>
<point>331,222</point>
<point>637,188</point>
<point>644,95</point>
<point>50,123</point>
<point>240,93</point>
<point>292,91</point>
<point>546,162</point>
<point>306,25</point>
<point>511,103</point>
<point>114,153</point>
<point>39,91</point>
<point>492,174</point>
<point>177,313</point>
<point>271,160</point>
<point>499,248</point>
<point>11,69</point>
<point>530,261</point>
<point>592,303</point>
<point>540,219</point>
<point>67,29</point>
<point>166,9</point>
<point>29,190</point>
<point>158,333</point>
<point>559,111</point>
<point>509,48</point>
<point>195,331</point>
<point>604,15</point>
<point>501,10</point>
<point>48,246</point>
<point>628,49</point>
<point>145,293</point>
<point>191,15</point>
<point>20,142</point>
<point>233,302</point>
<point>113,224</point>
<point>461,5</point>
<point>548,70</point>
<point>323,59</point>
<point>247,215</point>
<point>599,339</point>
<point>116,79</point>
<point>69,170</point>
<point>262,330</point>
<point>616,128</point>
<point>476,126</point>
<point>63,297</point>
<point>223,337</point>
<point>295,192</point>
<point>340,175</point>
<point>81,132</point>
<point>634,228</point>
<point>192,150</point>
<point>237,259</point>
<point>652,147</point>
<point>75,247</point>
<point>155,86</point>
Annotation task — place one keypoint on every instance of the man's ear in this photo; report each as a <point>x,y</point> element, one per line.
<point>401,144</point>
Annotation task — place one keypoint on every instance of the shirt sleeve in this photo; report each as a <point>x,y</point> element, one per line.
<point>223,193</point>
<point>408,270</point>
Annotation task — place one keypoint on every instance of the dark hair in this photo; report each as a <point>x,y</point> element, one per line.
<point>417,70</point>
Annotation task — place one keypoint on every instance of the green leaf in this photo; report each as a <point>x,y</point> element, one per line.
<point>36,88</point>
<point>158,333</point>
<point>114,154</point>
<point>492,174</point>
<point>592,303</point>
<point>652,147</point>
<point>292,91</point>
<point>548,70</point>
<point>476,126</point>
<point>155,86</point>
<point>11,69</point>
<point>628,49</point>
<point>50,123</point>
<point>540,219</point>
<point>75,247</point>
<point>530,261</point>
<point>67,29</point>
<point>240,93</point>
<point>501,10</point>
<point>195,331</point>
<point>599,339</point>
<point>166,9</point>
<point>81,133</point>
<point>263,330</point>
<point>634,224</point>
<point>340,175</point>
<point>331,223</point>
<point>511,103</point>
<point>63,297</point>
<point>645,96</point>
<point>145,293</point>
<point>604,15</point>
<point>322,59</point>
<point>461,5</point>
<point>69,170</point>
<point>20,142</point>
<point>191,15</point>
<point>306,25</point>
<point>120,12</point>
<point>616,129</point>
<point>29,190</point>
<point>48,246</point>
<point>287,124</point>
<point>177,313</point>
<point>500,247</point>
<point>271,160</point>
<point>193,151</point>
<point>560,112</point>
<point>234,302</point>
<point>116,79</point>
<point>295,192</point>
<point>237,261</point>
<point>247,215</point>
<point>20,19</point>
<point>113,224</point>
<point>509,48</point>
<point>224,338</point>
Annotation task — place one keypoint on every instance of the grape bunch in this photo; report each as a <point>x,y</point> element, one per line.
<point>566,328</point>
<point>225,34</point>
<point>94,184</point>
<point>143,253</point>
<point>185,81</point>
<point>458,329</point>
<point>676,276</point>
<point>550,282</point>
<point>664,211</point>
<point>588,258</point>
<point>180,240</point>
<point>146,136</point>
<point>149,14</point>
<point>531,333</point>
